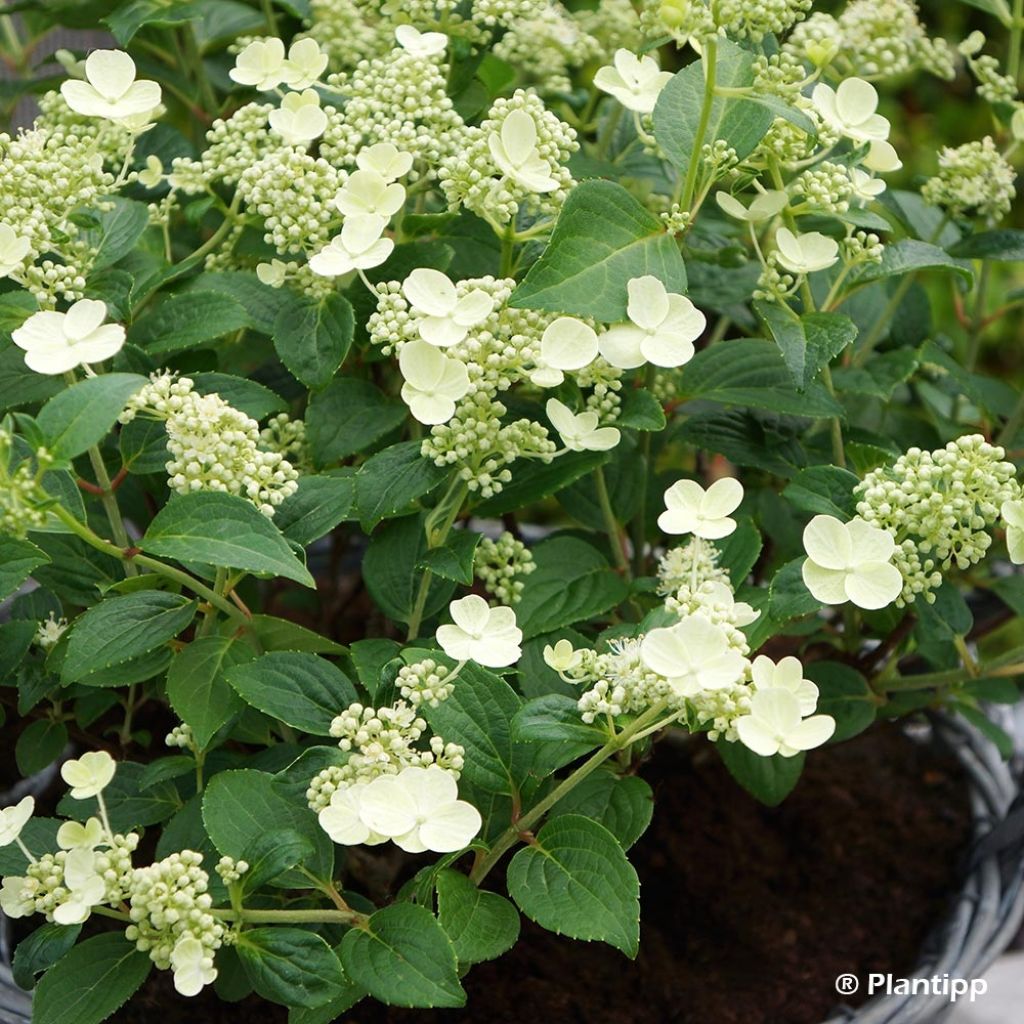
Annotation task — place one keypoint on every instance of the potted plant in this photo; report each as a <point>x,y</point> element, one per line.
<point>412,414</point>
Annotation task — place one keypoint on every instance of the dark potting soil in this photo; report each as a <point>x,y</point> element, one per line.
<point>748,913</point>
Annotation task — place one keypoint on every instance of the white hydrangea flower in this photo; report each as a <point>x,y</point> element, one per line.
<point>662,329</point>
<point>775,725</point>
<point>273,273</point>
<point>693,655</point>
<point>420,44</point>
<point>806,253</point>
<point>489,636</point>
<point>851,110</point>
<point>434,382</point>
<point>865,187</point>
<point>515,153</point>
<point>57,342</point>
<point>445,318</point>
<point>1013,517</point>
<point>385,159</point>
<point>881,157</point>
<point>369,192</point>
<point>261,65</point>
<point>13,249</point>
<point>111,90</point>
<point>636,82</point>
<point>763,206</point>
<point>419,810</point>
<point>563,657</point>
<point>11,893</point>
<point>305,64</point>
<point>74,836</point>
<point>13,819</point>
<point>192,965</point>
<point>89,775</point>
<point>154,172</point>
<point>568,344</point>
<point>786,674</point>
<point>704,513</point>
<point>86,885</point>
<point>358,247</point>
<point>299,120</point>
<point>341,820</point>
<point>580,432</point>
<point>850,562</point>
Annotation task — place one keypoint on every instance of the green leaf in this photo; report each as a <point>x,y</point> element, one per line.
<point>197,685</point>
<point>823,490</point>
<point>121,628</point>
<point>740,550</point>
<point>910,255</point>
<point>17,560</point>
<point>481,925</point>
<point>271,854</point>
<point>222,529</point>
<point>283,635</point>
<point>389,569</point>
<point>92,981</point>
<point>880,376</point>
<point>479,716</point>
<point>261,302</point>
<point>623,804</point>
<point>239,806</point>
<point>535,481</point>
<point>316,508</point>
<point>41,950</point>
<point>248,396</point>
<point>641,411</point>
<point>20,386</point>
<point>807,343</point>
<point>124,23</point>
<point>768,779</point>
<point>39,745</point>
<point>454,561</point>
<point>389,483</point>
<point>312,337</point>
<point>348,416</point>
<point>572,583</point>
<point>602,240</point>
<point>118,230</point>
<point>184,321</point>
<point>575,880</point>
<point>555,717</point>
<point>81,416</point>
<point>790,597</point>
<point>740,122</point>
<point>290,966</point>
<point>404,958</point>
<point>1006,245</point>
<point>15,639</point>
<point>845,695</point>
<point>302,690</point>
<point>369,657</point>
<point>39,835</point>
<point>752,373</point>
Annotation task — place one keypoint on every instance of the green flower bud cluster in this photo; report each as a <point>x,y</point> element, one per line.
<point>973,178</point>
<point>499,564</point>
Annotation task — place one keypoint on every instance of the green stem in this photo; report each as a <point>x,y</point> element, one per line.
<point>611,524</point>
<point>838,451</point>
<point>710,61</point>
<point>1005,665</point>
<point>268,13</point>
<point>507,250</point>
<point>448,508</point>
<point>874,336</point>
<point>195,58</point>
<point>639,524</point>
<point>514,832</point>
<point>129,554</point>
<point>110,505</point>
<point>1016,24</point>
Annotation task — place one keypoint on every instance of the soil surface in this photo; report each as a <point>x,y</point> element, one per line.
<point>748,913</point>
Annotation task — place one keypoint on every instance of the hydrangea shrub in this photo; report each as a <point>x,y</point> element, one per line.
<point>632,352</point>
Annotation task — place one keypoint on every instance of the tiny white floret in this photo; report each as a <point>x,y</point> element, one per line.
<point>445,319</point>
<point>636,82</point>
<point>434,382</point>
<point>89,775</point>
<point>775,725</point>
<point>581,432</point>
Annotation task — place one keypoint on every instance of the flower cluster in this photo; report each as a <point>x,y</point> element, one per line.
<point>873,38</point>
<point>937,508</point>
<point>973,178</point>
<point>213,446</point>
<point>500,565</point>
<point>514,161</point>
<point>743,19</point>
<point>22,496</point>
